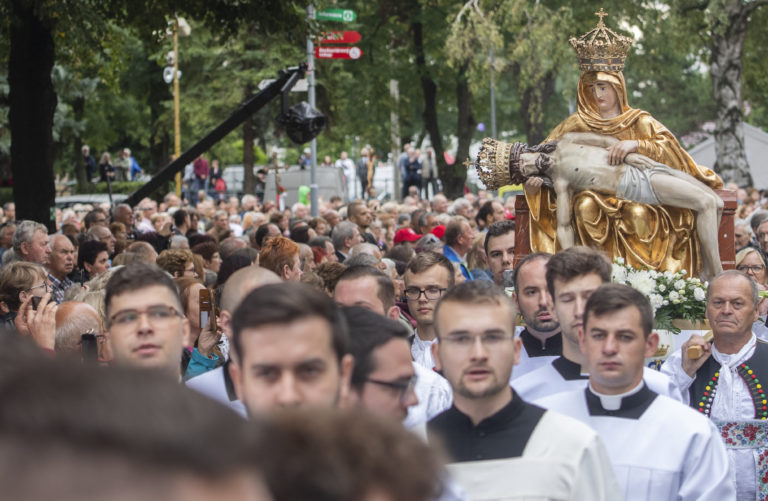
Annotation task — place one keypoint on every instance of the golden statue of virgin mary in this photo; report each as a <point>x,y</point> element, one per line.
<point>659,237</point>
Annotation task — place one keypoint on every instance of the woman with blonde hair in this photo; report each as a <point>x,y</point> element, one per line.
<point>752,262</point>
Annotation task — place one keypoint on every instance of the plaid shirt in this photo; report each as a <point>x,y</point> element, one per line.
<point>59,287</point>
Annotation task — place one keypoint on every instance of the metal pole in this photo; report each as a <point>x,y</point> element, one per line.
<point>313,143</point>
<point>493,101</point>
<point>176,121</point>
<point>394,93</point>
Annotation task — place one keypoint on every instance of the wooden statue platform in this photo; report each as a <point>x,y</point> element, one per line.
<point>725,233</point>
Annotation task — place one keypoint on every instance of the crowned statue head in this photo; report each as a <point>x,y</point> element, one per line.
<point>601,49</point>
<point>602,53</point>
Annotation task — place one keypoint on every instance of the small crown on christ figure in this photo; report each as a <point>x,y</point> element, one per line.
<point>601,49</point>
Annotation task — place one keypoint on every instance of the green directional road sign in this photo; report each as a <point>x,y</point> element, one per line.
<point>343,15</point>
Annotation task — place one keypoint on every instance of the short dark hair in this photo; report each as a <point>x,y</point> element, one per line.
<point>206,249</point>
<point>89,251</point>
<point>320,241</point>
<point>137,276</point>
<point>386,289</point>
<point>93,216</point>
<point>610,298</point>
<point>179,217</point>
<point>498,229</point>
<point>344,456</point>
<point>485,210</point>
<point>138,422</point>
<point>261,233</point>
<point>476,292</point>
<point>527,259</point>
<point>575,262</point>
<point>284,303</point>
<point>423,261</point>
<point>300,234</point>
<point>368,330</point>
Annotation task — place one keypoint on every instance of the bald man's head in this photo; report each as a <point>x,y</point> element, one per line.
<point>243,281</point>
<point>237,286</point>
<point>72,320</point>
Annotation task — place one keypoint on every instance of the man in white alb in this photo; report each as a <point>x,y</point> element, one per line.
<point>502,447</point>
<point>572,275</point>
<point>660,449</point>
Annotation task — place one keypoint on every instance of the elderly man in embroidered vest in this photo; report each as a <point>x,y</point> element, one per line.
<point>724,380</point>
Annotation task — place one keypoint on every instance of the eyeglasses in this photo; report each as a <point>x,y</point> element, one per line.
<point>414,293</point>
<point>403,387</point>
<point>44,284</point>
<point>754,269</point>
<point>157,315</point>
<point>488,339</point>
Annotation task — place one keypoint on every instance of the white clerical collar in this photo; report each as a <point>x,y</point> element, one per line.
<point>733,359</point>
<point>613,402</point>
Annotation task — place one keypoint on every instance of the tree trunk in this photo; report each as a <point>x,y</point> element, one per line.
<point>78,109</point>
<point>454,183</point>
<point>429,89</point>
<point>249,179</point>
<point>532,101</point>
<point>32,102</point>
<point>726,66</point>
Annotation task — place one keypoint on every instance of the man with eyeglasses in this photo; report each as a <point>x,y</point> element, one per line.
<point>145,323</point>
<point>427,276</point>
<point>370,288</point>
<point>498,443</point>
<point>383,378</point>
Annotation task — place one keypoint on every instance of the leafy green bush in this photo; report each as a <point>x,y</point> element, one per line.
<point>126,187</point>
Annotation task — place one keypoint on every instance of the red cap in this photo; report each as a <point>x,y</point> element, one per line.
<point>438,231</point>
<point>406,235</point>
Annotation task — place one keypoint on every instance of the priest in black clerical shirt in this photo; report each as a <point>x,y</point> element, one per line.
<point>498,442</point>
<point>541,339</point>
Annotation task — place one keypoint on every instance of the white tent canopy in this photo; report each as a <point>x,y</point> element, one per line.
<point>756,143</point>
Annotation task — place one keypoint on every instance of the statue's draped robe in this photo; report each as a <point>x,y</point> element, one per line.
<point>662,238</point>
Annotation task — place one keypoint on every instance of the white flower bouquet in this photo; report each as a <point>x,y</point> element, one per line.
<point>672,295</point>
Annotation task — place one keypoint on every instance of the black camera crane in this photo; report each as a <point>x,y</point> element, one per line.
<point>287,78</point>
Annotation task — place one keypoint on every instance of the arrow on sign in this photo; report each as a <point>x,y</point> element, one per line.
<point>343,15</point>
<point>340,37</point>
<point>338,52</point>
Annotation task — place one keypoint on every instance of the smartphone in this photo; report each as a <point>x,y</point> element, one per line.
<point>82,277</point>
<point>36,302</point>
<point>90,348</point>
<point>207,310</point>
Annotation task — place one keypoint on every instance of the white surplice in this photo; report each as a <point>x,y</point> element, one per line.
<point>421,351</point>
<point>434,394</point>
<point>548,380</point>
<point>667,452</point>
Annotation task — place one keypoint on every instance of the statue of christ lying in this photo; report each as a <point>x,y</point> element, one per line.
<point>579,161</point>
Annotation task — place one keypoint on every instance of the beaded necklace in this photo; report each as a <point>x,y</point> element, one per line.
<point>755,390</point>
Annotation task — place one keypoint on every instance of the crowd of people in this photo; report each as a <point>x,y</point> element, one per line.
<point>378,351</point>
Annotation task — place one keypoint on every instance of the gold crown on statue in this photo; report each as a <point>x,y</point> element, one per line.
<point>492,163</point>
<point>601,49</point>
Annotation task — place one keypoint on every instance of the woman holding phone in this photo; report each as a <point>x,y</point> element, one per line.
<point>204,334</point>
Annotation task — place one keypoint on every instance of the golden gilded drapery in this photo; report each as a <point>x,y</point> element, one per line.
<point>662,238</point>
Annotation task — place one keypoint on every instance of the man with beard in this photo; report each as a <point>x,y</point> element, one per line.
<point>541,339</point>
<point>499,443</point>
<point>289,348</point>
